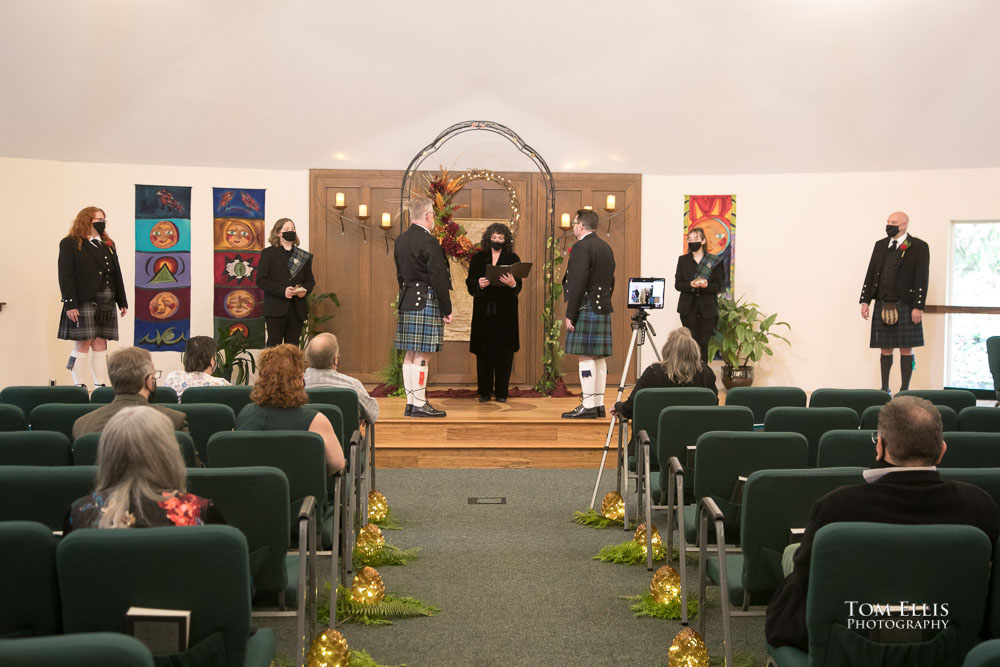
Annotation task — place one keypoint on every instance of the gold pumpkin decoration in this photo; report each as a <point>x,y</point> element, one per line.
<point>329,649</point>
<point>687,650</point>
<point>613,506</point>
<point>368,587</point>
<point>640,539</point>
<point>378,506</point>
<point>370,540</point>
<point>666,585</point>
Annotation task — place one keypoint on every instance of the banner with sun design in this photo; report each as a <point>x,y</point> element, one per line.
<point>162,267</point>
<point>238,237</point>
<point>716,216</point>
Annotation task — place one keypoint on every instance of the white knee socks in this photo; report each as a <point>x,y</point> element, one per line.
<point>408,382</point>
<point>99,367</point>
<point>415,384</point>
<point>602,381</point>
<point>588,382</point>
<point>76,364</point>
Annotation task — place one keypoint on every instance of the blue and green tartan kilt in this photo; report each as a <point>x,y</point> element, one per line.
<point>903,333</point>
<point>86,326</point>
<point>591,335</point>
<point>421,330</point>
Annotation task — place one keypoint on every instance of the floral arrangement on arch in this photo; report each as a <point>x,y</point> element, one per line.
<point>449,233</point>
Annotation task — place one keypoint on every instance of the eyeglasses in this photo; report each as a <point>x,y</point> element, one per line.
<point>874,437</point>
<point>155,375</point>
<point>92,220</point>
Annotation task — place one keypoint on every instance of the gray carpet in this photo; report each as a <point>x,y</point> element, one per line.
<point>516,583</point>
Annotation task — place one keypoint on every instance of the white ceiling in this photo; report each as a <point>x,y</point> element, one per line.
<point>658,87</point>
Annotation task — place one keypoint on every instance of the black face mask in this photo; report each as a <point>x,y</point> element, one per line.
<point>100,226</point>
<point>891,230</point>
<point>694,246</point>
<point>288,236</point>
<point>496,245</point>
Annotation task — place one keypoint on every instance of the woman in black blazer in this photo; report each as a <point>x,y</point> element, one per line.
<point>494,337</point>
<point>699,279</point>
<point>90,281</point>
<point>285,275</point>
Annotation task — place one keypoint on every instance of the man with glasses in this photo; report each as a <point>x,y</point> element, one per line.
<point>133,379</point>
<point>588,284</point>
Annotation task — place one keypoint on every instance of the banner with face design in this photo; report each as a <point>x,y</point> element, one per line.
<point>238,238</point>
<point>162,267</point>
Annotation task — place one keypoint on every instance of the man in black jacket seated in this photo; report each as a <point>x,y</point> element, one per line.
<point>907,491</point>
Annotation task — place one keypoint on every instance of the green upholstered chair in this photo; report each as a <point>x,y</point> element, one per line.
<point>85,649</point>
<point>235,396</point>
<point>42,494</point>
<point>869,418</point>
<point>203,569</point>
<point>810,422</point>
<point>165,395</point>
<point>12,418</point>
<point>986,654</point>
<point>949,418</point>
<point>956,399</point>
<point>856,399</point>
<point>85,448</point>
<point>357,482</point>
<point>846,447</point>
<point>958,555</point>
<point>762,399</point>
<point>979,419</point>
<point>28,397</point>
<point>774,502</point>
<point>205,420</point>
<point>30,605</point>
<point>34,448</point>
<point>971,450</point>
<point>59,416</point>
<point>993,358</point>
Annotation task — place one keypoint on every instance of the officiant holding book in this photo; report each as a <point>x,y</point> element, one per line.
<point>494,335</point>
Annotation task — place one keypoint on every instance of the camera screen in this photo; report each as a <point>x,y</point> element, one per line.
<point>645,292</point>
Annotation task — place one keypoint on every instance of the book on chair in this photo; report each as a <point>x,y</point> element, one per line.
<point>163,631</point>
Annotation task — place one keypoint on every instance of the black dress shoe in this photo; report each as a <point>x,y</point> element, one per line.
<point>581,412</point>
<point>409,409</point>
<point>484,399</point>
<point>601,414</point>
<point>426,410</point>
<point>501,400</point>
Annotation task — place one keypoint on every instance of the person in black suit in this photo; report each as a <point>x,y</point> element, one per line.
<point>908,491</point>
<point>588,284</point>
<point>90,281</point>
<point>494,336</point>
<point>897,280</point>
<point>699,277</point>
<point>285,274</point>
<point>424,303</point>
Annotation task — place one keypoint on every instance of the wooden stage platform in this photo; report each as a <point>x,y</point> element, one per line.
<point>521,433</point>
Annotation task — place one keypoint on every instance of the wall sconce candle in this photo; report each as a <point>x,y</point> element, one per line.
<point>386,221</point>
<point>589,208</point>
<point>610,204</point>
<point>340,201</point>
<point>363,211</point>
<point>564,223</point>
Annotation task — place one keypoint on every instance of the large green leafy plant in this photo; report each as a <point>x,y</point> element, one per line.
<point>314,303</point>
<point>743,333</point>
<point>232,352</point>
<point>552,351</point>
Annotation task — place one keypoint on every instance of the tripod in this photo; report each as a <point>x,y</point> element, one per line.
<point>640,326</point>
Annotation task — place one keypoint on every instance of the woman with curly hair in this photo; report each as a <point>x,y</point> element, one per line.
<point>141,479</point>
<point>90,281</point>
<point>278,399</point>
<point>494,335</point>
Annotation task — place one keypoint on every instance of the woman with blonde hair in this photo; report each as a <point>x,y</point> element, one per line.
<point>141,479</point>
<point>681,366</point>
<point>278,399</point>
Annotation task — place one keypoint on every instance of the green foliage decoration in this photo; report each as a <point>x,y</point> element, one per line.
<point>232,352</point>
<point>392,373</point>
<point>552,350</point>
<point>391,606</point>
<point>314,303</point>
<point>389,554</point>
<point>629,553</point>
<point>388,522</point>
<point>646,607</point>
<point>595,519</point>
<point>743,333</point>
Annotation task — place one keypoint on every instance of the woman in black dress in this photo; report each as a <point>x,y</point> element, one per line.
<point>285,275</point>
<point>699,279</point>
<point>494,336</point>
<point>90,281</point>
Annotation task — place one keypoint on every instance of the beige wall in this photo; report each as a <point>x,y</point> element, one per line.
<point>803,243</point>
<point>38,200</point>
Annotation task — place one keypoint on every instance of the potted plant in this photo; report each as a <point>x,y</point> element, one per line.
<point>742,335</point>
<point>233,352</point>
<point>314,319</point>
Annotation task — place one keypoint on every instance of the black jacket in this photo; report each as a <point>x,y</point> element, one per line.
<point>911,278</point>
<point>82,271</point>
<point>590,272</point>
<point>421,262</point>
<point>700,301</point>
<point>273,277</point>
<point>654,377</point>
<point>494,307</point>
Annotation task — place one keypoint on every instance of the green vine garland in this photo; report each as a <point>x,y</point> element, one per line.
<point>552,350</point>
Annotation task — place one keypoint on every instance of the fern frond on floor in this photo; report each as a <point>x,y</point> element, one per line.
<point>361,658</point>
<point>628,553</point>
<point>594,519</point>
<point>388,523</point>
<point>391,606</point>
<point>389,554</point>
<point>646,607</point>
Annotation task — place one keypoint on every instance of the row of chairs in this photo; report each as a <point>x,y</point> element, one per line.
<point>28,397</point>
<point>762,399</point>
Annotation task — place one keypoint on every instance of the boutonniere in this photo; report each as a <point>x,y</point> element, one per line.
<point>903,247</point>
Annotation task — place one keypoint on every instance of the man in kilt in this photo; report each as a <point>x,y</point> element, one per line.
<point>424,303</point>
<point>897,281</point>
<point>588,284</point>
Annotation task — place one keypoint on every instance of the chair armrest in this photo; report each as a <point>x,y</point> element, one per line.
<point>795,535</point>
<point>308,507</point>
<point>642,437</point>
<point>674,465</point>
<point>691,449</point>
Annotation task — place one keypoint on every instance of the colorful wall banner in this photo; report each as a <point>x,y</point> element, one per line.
<point>162,267</point>
<point>716,215</point>
<point>238,238</point>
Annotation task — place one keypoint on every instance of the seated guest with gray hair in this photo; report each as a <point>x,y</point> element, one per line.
<point>141,479</point>
<point>199,363</point>
<point>133,379</point>
<point>323,357</point>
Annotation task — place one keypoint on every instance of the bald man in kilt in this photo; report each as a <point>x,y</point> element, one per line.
<point>588,284</point>
<point>897,281</point>
<point>424,303</point>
